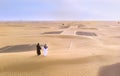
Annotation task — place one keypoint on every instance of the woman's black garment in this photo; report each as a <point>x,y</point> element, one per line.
<point>38,49</point>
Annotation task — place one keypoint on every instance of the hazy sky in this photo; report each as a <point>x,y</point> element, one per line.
<point>59,9</point>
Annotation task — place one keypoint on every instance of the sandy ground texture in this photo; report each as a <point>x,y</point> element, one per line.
<point>87,48</point>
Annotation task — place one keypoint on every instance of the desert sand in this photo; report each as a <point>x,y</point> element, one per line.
<point>86,48</point>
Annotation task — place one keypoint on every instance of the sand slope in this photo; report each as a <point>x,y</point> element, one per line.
<point>75,48</point>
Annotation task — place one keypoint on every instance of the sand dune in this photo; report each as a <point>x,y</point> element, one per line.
<point>110,70</point>
<point>75,48</point>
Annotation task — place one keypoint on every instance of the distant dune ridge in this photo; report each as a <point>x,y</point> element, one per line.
<point>86,33</point>
<point>75,48</point>
<point>53,32</point>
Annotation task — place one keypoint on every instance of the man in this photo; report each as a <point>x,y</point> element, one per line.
<point>45,50</point>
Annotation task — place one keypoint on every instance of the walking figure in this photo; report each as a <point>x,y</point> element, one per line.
<point>38,49</point>
<point>45,50</point>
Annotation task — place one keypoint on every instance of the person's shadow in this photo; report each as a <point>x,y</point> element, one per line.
<point>110,70</point>
<point>18,48</point>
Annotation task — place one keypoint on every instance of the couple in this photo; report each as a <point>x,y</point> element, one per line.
<point>45,50</point>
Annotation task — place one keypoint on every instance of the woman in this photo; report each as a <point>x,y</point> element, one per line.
<point>38,49</point>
